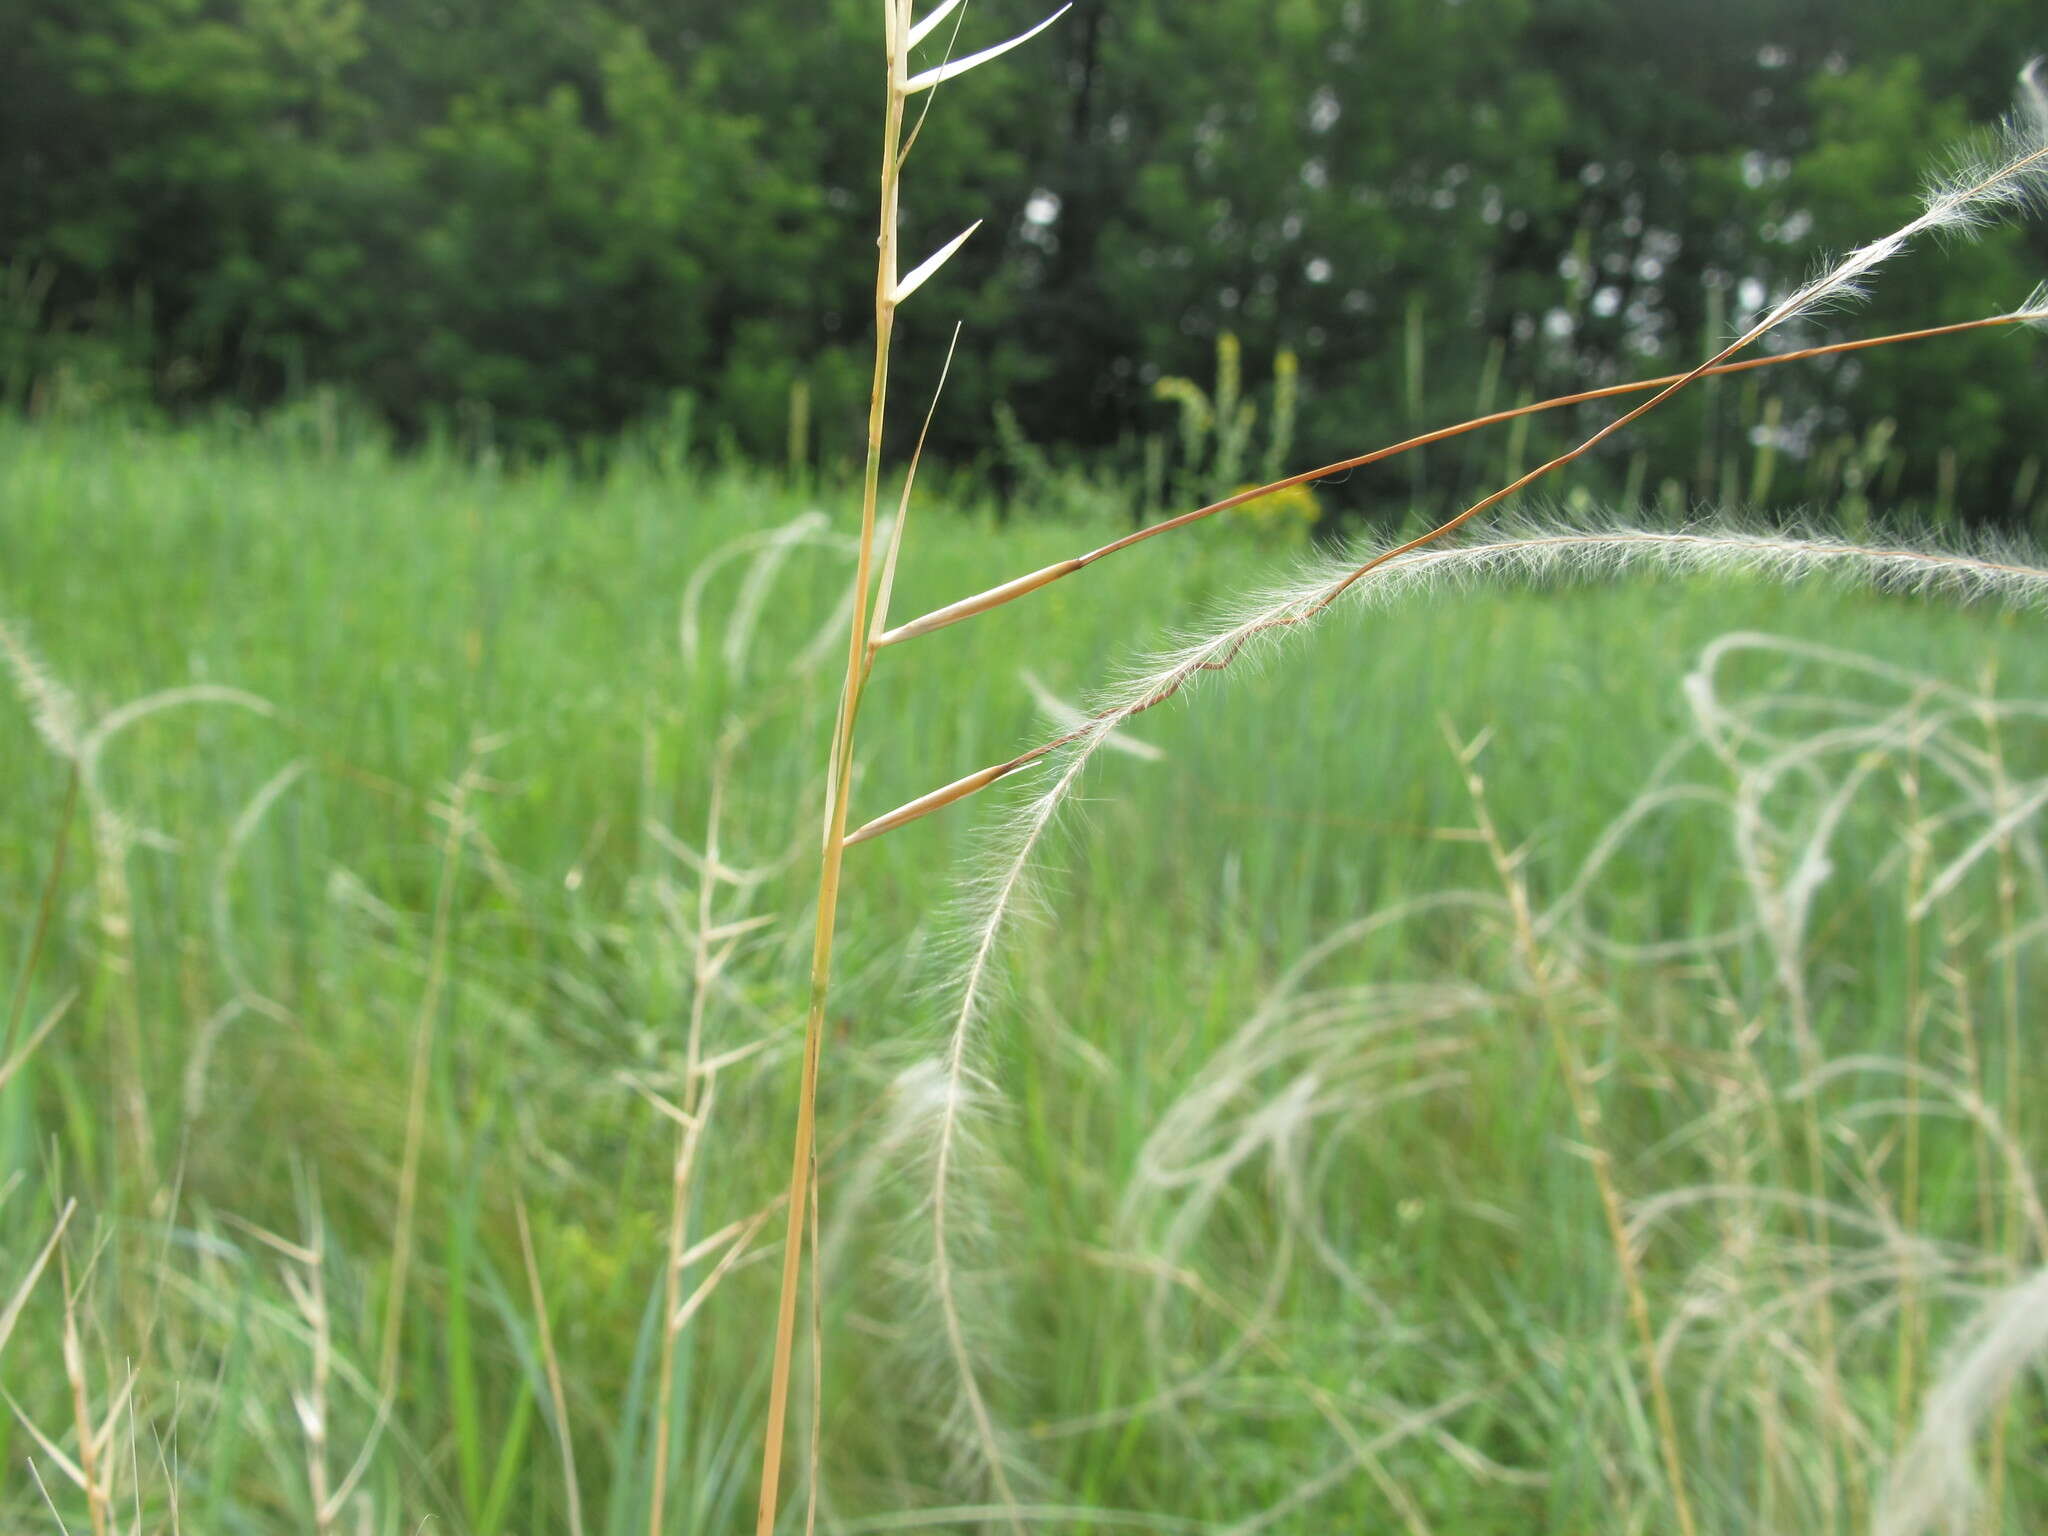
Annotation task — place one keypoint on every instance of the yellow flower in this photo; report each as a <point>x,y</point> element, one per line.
<point>1286,515</point>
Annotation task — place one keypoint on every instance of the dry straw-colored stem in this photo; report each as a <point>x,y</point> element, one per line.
<point>422,1070</point>
<point>691,1121</point>
<point>551,1365</point>
<point>96,1496</point>
<point>839,775</point>
<point>902,33</point>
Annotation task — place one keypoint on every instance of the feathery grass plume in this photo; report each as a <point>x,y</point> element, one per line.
<point>1066,717</point>
<point>1961,202</point>
<point>2035,311</point>
<point>1724,728</point>
<point>1989,569</point>
<point>1537,552</point>
<point>61,720</point>
<point>2005,174</point>
<point>53,708</point>
<point>1311,1065</point>
<point>1934,1485</point>
<point>1870,716</point>
<point>956,1097</point>
<point>1969,198</point>
<point>1928,737</point>
<point>770,549</point>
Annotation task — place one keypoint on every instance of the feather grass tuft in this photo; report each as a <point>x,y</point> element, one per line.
<point>1934,1485</point>
<point>2034,92</point>
<point>53,708</point>
<point>2035,311</point>
<point>1530,553</point>
<point>2005,175</point>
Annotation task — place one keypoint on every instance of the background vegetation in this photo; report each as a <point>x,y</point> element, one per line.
<point>423,541</point>
<point>1287,1222</point>
<point>530,222</point>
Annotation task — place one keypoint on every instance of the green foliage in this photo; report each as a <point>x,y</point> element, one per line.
<point>1057,485</point>
<point>1200,1168</point>
<point>556,215</point>
<point>1215,440</point>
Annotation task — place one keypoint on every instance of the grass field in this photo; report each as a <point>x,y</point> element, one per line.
<point>1287,1219</point>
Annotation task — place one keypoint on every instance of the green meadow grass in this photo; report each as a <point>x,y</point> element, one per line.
<point>1336,1265</point>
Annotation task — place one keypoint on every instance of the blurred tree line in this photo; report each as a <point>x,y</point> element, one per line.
<point>563,218</point>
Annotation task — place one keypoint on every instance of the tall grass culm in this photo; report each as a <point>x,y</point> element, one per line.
<point>2006,175</point>
<point>902,33</point>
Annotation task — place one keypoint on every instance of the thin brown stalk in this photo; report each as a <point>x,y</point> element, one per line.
<point>1847,272</point>
<point>1950,207</point>
<point>74,1372</point>
<point>45,906</point>
<point>552,1366</point>
<point>422,1069</point>
<point>1021,586</point>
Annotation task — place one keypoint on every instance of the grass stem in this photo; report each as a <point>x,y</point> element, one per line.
<point>839,776</point>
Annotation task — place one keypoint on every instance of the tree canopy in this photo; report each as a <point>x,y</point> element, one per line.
<point>562,214</point>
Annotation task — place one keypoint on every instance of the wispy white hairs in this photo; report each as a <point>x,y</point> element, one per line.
<point>1066,717</point>
<point>53,708</point>
<point>2035,311</point>
<point>1934,1487</point>
<point>1980,188</point>
<point>1526,554</point>
<point>2008,176</point>
<point>2034,92</point>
